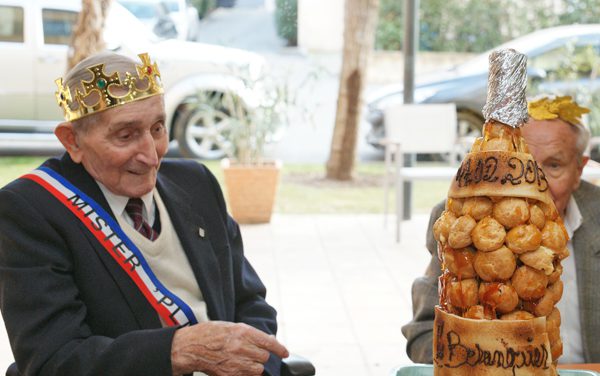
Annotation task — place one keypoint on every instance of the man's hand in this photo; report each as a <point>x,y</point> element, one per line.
<point>223,348</point>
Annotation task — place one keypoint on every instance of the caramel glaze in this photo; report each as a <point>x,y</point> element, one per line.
<point>493,129</point>
<point>487,299</point>
<point>462,261</point>
<point>512,140</point>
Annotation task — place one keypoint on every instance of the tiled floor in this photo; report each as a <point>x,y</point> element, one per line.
<point>341,286</point>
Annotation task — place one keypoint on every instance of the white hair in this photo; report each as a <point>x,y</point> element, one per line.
<point>582,143</point>
<point>584,135</point>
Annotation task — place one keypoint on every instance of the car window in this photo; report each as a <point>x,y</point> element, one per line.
<point>555,60</point>
<point>58,25</point>
<point>550,60</point>
<point>11,24</point>
<point>172,6</point>
<point>141,10</point>
<point>123,29</point>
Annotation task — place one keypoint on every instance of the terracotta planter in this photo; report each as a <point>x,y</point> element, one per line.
<point>250,190</point>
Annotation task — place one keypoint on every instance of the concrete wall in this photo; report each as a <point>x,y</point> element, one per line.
<point>321,25</point>
<point>321,30</point>
<point>388,66</point>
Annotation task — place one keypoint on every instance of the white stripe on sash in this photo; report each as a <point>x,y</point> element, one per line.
<point>107,231</point>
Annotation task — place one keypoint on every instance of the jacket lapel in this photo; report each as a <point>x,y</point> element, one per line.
<point>143,312</point>
<point>586,242</point>
<point>194,236</point>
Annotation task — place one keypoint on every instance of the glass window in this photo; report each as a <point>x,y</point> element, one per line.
<point>143,11</point>
<point>11,24</point>
<point>58,25</point>
<point>172,6</point>
<point>575,59</point>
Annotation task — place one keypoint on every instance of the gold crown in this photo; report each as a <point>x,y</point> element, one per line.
<point>101,82</point>
<point>563,108</point>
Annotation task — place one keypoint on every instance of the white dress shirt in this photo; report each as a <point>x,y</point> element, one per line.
<point>570,328</point>
<point>117,205</point>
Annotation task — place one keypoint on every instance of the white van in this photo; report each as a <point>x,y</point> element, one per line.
<point>167,18</point>
<point>34,37</point>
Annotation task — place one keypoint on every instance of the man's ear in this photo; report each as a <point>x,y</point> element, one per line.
<point>66,135</point>
<point>584,161</point>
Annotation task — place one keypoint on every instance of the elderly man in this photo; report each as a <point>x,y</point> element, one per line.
<point>114,262</point>
<point>557,140</point>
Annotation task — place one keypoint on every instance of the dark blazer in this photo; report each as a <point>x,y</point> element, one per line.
<point>68,307</point>
<point>586,244</point>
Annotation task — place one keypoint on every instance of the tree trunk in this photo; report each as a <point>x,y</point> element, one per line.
<point>359,36</point>
<point>87,34</point>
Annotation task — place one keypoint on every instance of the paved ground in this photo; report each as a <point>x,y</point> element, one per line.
<point>341,286</point>
<point>251,26</point>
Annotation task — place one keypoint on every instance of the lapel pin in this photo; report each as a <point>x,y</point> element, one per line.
<point>201,232</point>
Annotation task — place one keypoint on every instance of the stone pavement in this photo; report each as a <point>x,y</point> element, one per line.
<point>341,286</point>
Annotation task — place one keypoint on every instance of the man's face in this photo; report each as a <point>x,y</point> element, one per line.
<point>124,149</point>
<point>553,145</point>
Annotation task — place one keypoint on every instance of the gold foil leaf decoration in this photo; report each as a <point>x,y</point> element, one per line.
<point>563,108</point>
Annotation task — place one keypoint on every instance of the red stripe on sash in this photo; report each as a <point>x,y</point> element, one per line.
<point>99,235</point>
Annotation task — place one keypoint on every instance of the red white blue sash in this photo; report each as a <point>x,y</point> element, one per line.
<point>107,231</point>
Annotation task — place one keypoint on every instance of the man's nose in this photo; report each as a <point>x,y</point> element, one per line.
<point>147,150</point>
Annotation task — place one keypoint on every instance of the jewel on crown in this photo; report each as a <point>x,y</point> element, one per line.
<point>76,107</point>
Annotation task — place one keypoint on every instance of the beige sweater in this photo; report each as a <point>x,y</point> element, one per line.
<point>168,261</point>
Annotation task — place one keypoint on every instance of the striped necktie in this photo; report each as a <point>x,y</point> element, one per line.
<point>134,208</point>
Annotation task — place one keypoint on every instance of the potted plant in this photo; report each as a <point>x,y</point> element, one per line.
<point>251,180</point>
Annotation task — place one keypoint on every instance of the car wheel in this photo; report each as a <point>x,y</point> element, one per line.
<point>202,127</point>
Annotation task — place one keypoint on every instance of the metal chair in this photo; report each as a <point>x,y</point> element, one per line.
<point>412,129</point>
<point>296,365</point>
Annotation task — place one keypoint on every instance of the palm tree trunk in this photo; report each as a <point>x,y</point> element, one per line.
<point>359,37</point>
<point>87,35</point>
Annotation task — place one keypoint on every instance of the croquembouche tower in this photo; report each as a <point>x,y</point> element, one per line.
<point>500,242</point>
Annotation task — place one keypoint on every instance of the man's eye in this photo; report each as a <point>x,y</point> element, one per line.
<point>158,127</point>
<point>554,169</point>
<point>124,135</point>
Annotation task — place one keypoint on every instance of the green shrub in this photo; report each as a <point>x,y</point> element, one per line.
<point>477,25</point>
<point>388,35</point>
<point>204,6</point>
<point>286,20</point>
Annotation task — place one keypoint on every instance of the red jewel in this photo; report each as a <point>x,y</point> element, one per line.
<point>149,70</point>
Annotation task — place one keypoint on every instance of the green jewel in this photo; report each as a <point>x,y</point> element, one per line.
<point>101,83</point>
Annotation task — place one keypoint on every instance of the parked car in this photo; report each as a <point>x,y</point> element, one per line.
<point>226,3</point>
<point>33,44</point>
<point>466,84</point>
<point>166,18</point>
